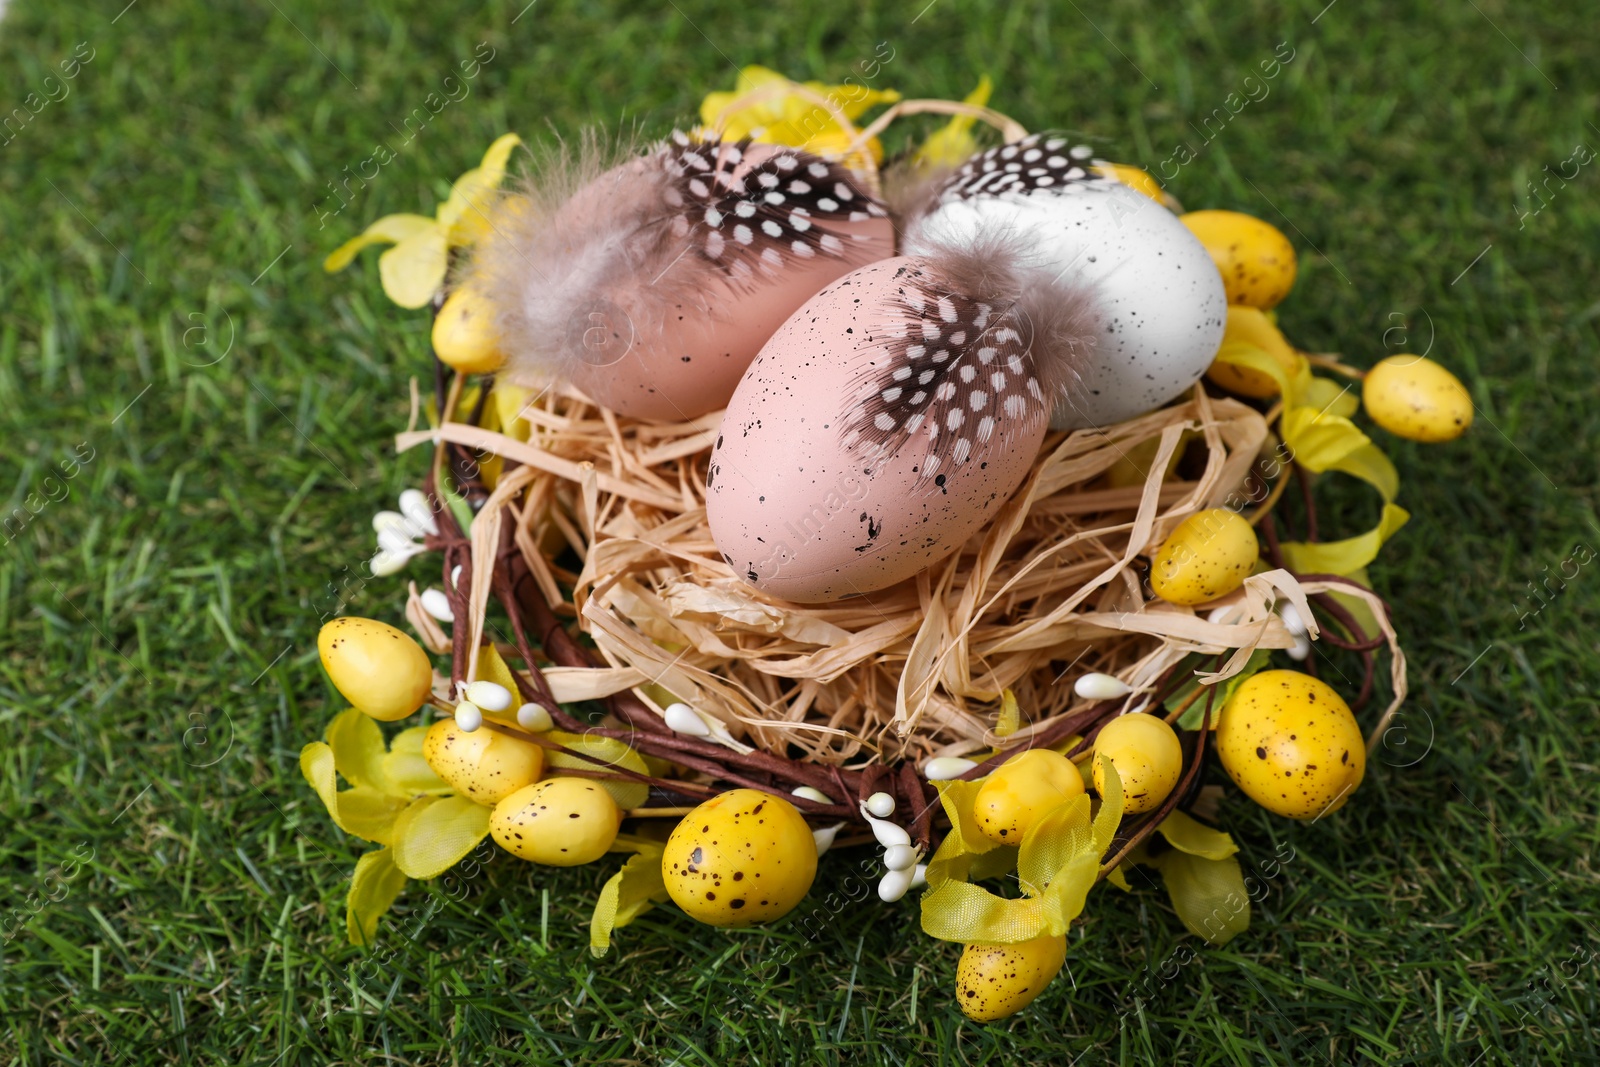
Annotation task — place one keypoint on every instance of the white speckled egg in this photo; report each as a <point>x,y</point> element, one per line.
<point>882,426</point>
<point>1163,298</point>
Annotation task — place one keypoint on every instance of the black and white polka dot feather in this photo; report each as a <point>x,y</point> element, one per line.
<point>775,212</point>
<point>1039,162</point>
<point>957,378</point>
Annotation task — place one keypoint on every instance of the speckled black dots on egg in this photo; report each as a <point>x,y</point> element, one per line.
<point>885,406</point>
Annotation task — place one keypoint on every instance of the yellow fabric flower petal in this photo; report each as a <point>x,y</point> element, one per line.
<point>716,109</point>
<point>1208,895</point>
<point>492,668</point>
<point>1327,395</point>
<point>413,270</point>
<point>363,811</point>
<point>357,745</point>
<point>629,893</point>
<point>607,752</point>
<point>1319,440</point>
<point>391,229</point>
<point>1251,357</point>
<point>509,401</point>
<point>434,833</point>
<point>373,889</point>
<point>1373,467</point>
<point>465,213</point>
<point>1057,865</point>
<point>1187,834</point>
<point>789,118</point>
<point>1342,557</point>
<point>951,144</point>
<point>1109,817</point>
<point>407,771</point>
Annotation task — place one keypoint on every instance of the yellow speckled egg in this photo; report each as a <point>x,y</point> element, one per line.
<point>1139,180</point>
<point>741,858</point>
<point>1022,790</point>
<point>1209,555</point>
<point>379,669</point>
<point>1147,756</point>
<point>1256,260</point>
<point>1250,326</point>
<point>560,822</point>
<point>994,981</point>
<point>1416,398</point>
<point>464,334</point>
<point>1291,743</point>
<point>486,765</point>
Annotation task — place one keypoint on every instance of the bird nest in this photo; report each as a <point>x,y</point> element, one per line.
<point>595,525</point>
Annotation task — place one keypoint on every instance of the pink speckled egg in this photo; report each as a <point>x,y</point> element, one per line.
<point>882,426</point>
<point>742,235</point>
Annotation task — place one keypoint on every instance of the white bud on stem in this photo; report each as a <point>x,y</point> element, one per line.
<point>468,717</point>
<point>1098,686</point>
<point>881,805</point>
<point>393,520</point>
<point>899,857</point>
<point>435,603</point>
<point>893,886</point>
<point>887,833</point>
<point>534,717</point>
<point>1293,620</point>
<point>683,719</point>
<point>490,696</point>
<point>946,767</point>
<point>414,506</point>
<point>811,793</point>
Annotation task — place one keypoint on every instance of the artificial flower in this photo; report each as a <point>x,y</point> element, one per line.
<point>953,143</point>
<point>1057,864</point>
<point>414,269</point>
<point>1319,435</point>
<point>781,114</point>
<point>1202,875</point>
<point>394,800</point>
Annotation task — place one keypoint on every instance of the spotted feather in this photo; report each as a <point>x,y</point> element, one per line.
<point>959,377</point>
<point>1039,162</point>
<point>773,212</point>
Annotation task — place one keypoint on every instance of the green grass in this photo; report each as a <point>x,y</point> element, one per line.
<point>158,672</point>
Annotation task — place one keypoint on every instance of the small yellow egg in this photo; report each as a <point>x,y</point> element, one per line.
<point>994,981</point>
<point>1291,743</point>
<point>1022,790</point>
<point>1147,756</point>
<point>1138,179</point>
<point>1256,260</point>
<point>1250,326</point>
<point>1417,399</point>
<point>464,336</point>
<point>741,858</point>
<point>486,765</point>
<point>379,669</point>
<point>560,822</point>
<point>1209,555</point>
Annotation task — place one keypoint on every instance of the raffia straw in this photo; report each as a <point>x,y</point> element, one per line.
<point>1050,590</point>
<point>1010,129</point>
<point>1397,656</point>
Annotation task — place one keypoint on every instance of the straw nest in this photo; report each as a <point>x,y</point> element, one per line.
<point>1051,589</point>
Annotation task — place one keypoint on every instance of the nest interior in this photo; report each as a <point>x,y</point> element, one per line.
<point>1049,590</point>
